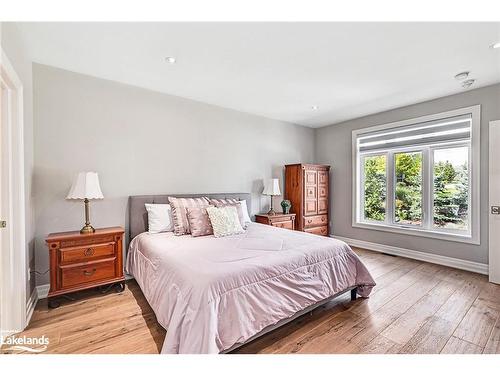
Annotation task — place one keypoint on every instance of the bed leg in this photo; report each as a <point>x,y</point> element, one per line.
<point>354,294</point>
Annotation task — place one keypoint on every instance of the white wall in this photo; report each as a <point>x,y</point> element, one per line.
<point>16,51</point>
<point>333,146</point>
<point>143,142</point>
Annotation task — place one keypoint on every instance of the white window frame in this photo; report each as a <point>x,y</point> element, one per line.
<point>473,235</point>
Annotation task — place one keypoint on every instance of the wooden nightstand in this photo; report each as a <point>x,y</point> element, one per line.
<point>286,221</point>
<point>83,261</point>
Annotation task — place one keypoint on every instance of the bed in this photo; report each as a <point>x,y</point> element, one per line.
<point>215,294</point>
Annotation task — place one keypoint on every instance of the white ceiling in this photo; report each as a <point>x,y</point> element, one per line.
<point>279,70</point>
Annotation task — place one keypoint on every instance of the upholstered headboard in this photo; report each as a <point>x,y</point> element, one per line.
<point>138,216</point>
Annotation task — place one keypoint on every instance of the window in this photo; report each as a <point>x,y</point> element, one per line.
<point>451,188</point>
<point>408,188</point>
<point>419,176</point>
<point>375,171</point>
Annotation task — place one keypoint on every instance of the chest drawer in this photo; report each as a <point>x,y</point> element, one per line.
<point>87,253</point>
<point>283,224</point>
<point>322,231</point>
<point>315,221</point>
<point>95,271</point>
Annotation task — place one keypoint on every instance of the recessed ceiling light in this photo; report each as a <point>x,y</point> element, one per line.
<point>461,76</point>
<point>314,107</point>
<point>170,59</point>
<point>468,83</point>
<point>496,45</point>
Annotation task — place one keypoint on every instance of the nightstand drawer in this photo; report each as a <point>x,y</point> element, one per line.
<point>286,221</point>
<point>322,231</point>
<point>283,224</point>
<point>279,218</point>
<point>87,253</point>
<point>315,221</point>
<point>95,271</point>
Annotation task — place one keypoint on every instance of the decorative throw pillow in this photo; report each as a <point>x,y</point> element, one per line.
<point>220,201</point>
<point>237,205</point>
<point>159,218</point>
<point>199,222</point>
<point>225,221</point>
<point>244,208</point>
<point>179,205</point>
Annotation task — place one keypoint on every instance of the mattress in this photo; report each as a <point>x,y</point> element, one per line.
<point>213,293</point>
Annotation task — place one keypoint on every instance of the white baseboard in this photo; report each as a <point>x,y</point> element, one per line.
<point>418,255</point>
<point>30,305</point>
<point>43,291</point>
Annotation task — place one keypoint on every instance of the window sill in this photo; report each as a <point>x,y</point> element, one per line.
<point>463,238</point>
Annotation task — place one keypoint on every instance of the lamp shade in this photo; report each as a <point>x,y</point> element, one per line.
<point>85,185</point>
<point>272,187</point>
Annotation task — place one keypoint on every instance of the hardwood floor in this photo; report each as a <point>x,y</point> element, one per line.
<point>416,307</point>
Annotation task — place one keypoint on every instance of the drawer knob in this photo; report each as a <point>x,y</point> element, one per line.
<point>89,273</point>
<point>89,252</point>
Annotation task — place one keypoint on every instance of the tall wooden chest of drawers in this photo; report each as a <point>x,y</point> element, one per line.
<point>307,188</point>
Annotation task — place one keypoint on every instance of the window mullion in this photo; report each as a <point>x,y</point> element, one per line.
<point>389,217</point>
<point>427,188</point>
<point>361,190</point>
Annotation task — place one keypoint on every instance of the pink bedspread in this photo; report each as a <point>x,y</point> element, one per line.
<point>211,293</point>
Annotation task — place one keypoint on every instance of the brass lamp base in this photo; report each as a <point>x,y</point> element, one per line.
<point>87,229</point>
<point>271,212</point>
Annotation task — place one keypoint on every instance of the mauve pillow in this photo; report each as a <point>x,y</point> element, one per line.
<point>216,201</point>
<point>199,222</point>
<point>179,205</point>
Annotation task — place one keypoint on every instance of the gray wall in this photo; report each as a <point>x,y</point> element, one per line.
<point>143,142</point>
<point>333,146</point>
<point>16,52</point>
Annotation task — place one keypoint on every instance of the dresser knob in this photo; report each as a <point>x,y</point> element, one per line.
<point>89,252</point>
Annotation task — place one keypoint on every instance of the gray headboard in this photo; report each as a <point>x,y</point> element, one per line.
<point>138,216</point>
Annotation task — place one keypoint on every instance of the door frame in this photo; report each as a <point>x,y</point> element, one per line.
<point>493,256</point>
<point>13,262</point>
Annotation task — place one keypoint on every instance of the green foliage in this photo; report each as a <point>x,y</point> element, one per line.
<point>450,195</point>
<point>408,194</point>
<point>451,186</point>
<point>375,187</point>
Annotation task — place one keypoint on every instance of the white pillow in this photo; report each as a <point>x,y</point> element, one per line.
<point>159,218</point>
<point>246,218</point>
<point>224,220</point>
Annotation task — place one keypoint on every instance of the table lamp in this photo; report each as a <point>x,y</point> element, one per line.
<point>272,188</point>
<point>86,186</point>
